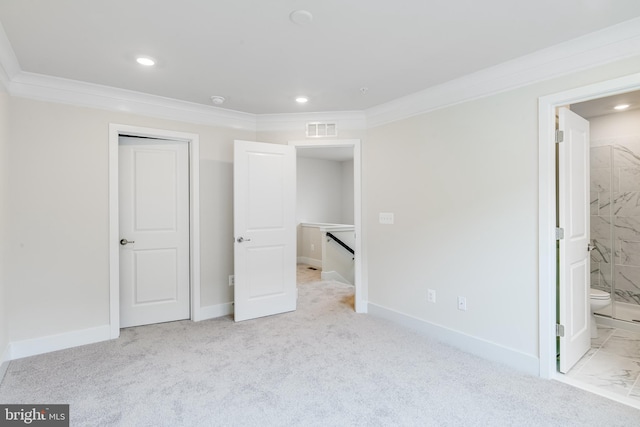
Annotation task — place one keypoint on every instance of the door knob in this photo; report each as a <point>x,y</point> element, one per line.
<point>590,247</point>
<point>242,239</point>
<point>125,242</point>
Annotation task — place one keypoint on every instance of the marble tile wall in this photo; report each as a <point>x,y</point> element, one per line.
<point>615,217</point>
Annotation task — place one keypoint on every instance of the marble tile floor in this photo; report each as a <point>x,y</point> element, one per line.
<point>612,364</point>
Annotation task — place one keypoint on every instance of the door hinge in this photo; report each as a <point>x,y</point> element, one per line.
<point>559,330</point>
<point>559,233</point>
<point>559,136</point>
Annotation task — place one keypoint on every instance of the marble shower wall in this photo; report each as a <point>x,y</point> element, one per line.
<point>615,217</point>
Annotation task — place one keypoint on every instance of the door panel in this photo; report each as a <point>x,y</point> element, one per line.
<point>265,231</point>
<point>154,216</point>
<point>573,204</point>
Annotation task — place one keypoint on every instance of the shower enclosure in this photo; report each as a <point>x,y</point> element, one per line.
<point>615,224</point>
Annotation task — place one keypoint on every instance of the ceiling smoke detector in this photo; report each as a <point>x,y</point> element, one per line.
<point>217,100</point>
<point>301,17</point>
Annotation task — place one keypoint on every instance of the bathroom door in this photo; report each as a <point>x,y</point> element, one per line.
<point>264,228</point>
<point>574,267</point>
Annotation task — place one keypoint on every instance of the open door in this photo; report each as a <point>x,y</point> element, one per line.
<point>264,229</point>
<point>574,267</point>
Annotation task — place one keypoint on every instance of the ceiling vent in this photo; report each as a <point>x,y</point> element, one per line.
<point>322,130</point>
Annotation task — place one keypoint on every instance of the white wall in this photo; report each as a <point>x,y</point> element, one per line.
<point>618,124</point>
<point>57,250</point>
<point>463,184</point>
<point>324,191</point>
<point>310,245</point>
<point>319,191</point>
<point>4,329</point>
<point>347,192</point>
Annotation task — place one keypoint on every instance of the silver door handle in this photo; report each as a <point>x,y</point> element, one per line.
<point>590,247</point>
<point>242,239</point>
<point>126,242</point>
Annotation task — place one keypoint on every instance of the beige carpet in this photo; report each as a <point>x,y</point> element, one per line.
<point>323,365</point>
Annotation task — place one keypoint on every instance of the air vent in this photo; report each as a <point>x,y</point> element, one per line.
<point>321,130</point>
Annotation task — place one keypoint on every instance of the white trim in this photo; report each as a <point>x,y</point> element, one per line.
<point>115,130</point>
<point>361,285</point>
<point>547,205</point>
<point>73,92</point>
<point>41,345</point>
<point>486,349</point>
<point>607,45</point>
<point>317,263</point>
<point>214,311</point>
<point>346,120</point>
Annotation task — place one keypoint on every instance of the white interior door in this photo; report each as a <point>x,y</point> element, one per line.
<point>154,228</point>
<point>264,229</point>
<point>574,266</point>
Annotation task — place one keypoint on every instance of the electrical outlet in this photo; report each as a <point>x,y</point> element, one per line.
<point>462,303</point>
<point>431,295</point>
<point>232,280</point>
<point>385,218</point>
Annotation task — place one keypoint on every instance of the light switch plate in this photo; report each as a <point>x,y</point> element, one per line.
<point>386,218</point>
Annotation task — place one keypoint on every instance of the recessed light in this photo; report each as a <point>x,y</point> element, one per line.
<point>217,100</point>
<point>302,100</point>
<point>621,107</point>
<point>146,61</point>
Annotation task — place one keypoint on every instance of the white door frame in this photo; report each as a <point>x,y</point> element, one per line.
<point>547,206</point>
<point>361,288</point>
<point>115,130</point>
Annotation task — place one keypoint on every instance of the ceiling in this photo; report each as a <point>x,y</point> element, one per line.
<point>604,106</point>
<point>250,52</point>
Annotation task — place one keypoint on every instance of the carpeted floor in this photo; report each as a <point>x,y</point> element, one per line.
<point>323,365</point>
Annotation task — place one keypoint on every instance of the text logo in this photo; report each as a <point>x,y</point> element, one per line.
<point>34,415</point>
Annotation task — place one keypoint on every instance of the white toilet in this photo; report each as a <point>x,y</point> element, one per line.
<point>598,300</point>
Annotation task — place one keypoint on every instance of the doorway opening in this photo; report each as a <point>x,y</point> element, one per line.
<point>342,254</point>
<point>116,131</point>
<point>548,267</point>
<point>614,239</point>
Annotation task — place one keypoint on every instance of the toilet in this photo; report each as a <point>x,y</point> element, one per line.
<point>598,300</point>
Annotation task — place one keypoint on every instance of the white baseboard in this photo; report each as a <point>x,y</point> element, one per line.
<point>4,361</point>
<point>485,349</point>
<point>317,263</point>
<point>334,275</point>
<point>34,346</point>
<point>213,311</point>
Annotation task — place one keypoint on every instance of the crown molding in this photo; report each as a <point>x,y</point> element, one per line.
<point>72,92</point>
<point>346,120</point>
<point>605,46</point>
<point>608,45</point>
